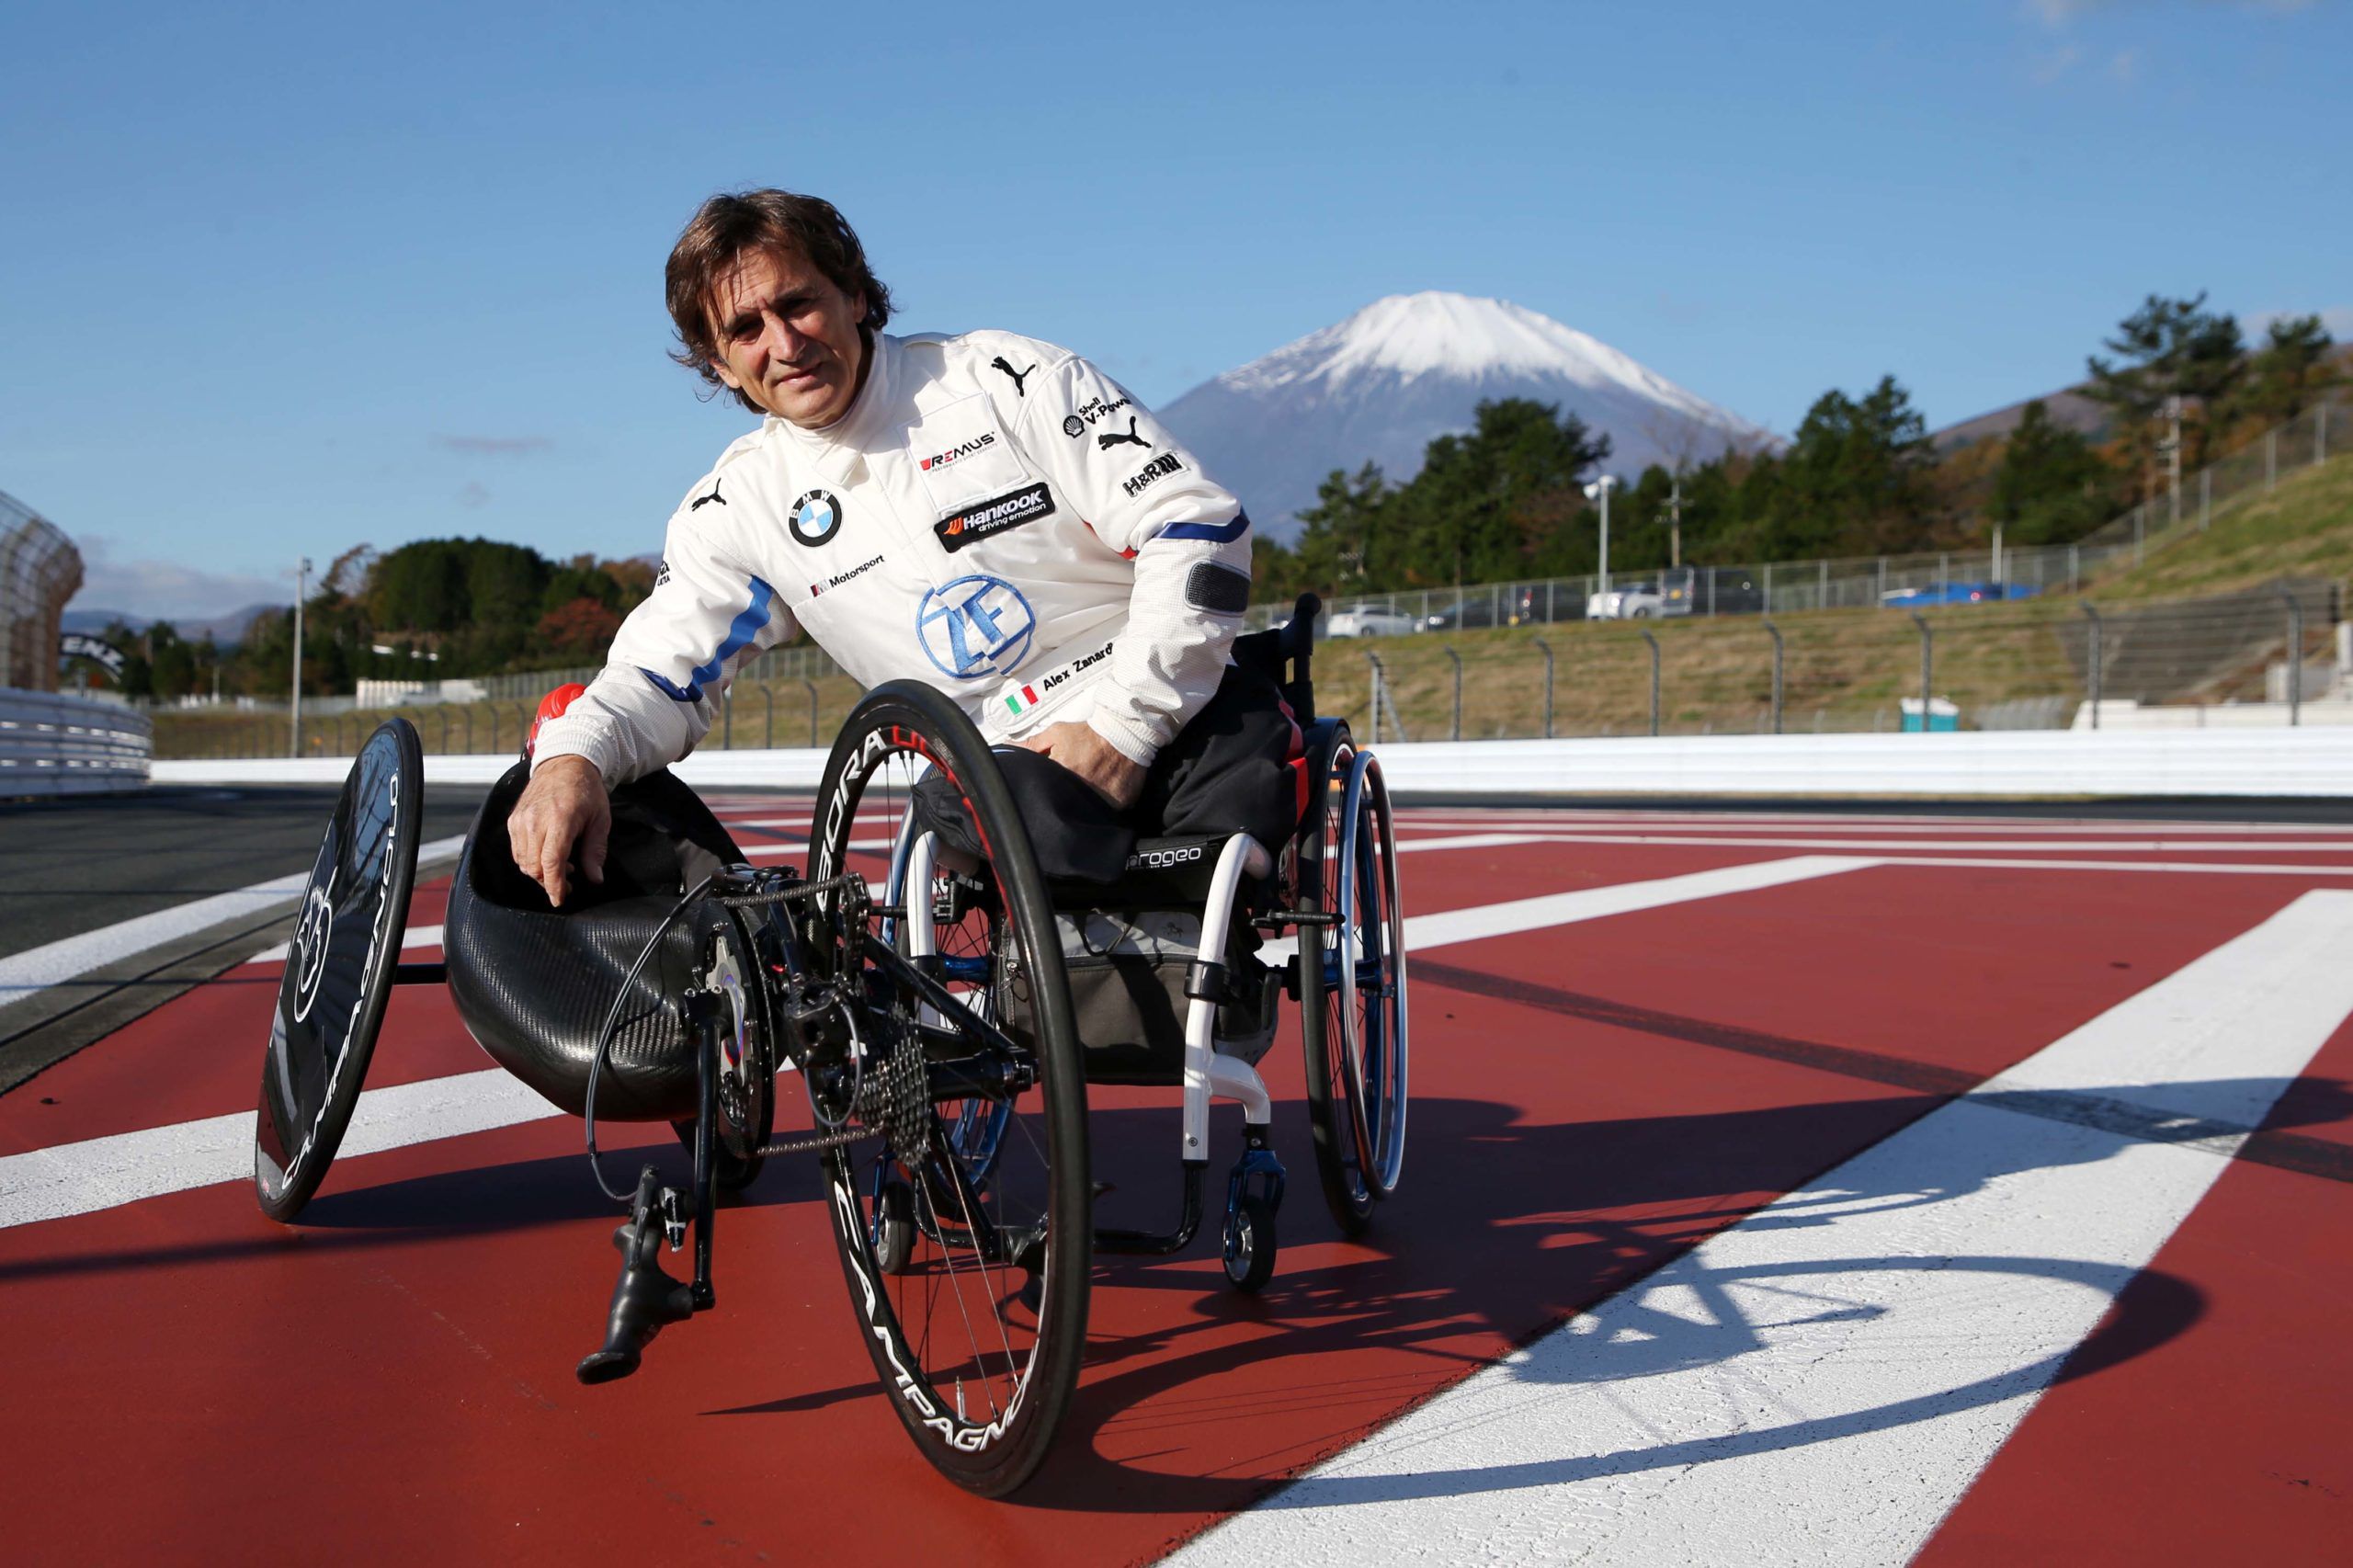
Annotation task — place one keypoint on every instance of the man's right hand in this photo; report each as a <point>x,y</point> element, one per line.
<point>566,803</point>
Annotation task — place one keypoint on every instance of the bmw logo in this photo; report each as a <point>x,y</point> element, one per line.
<point>814,518</point>
<point>976,627</point>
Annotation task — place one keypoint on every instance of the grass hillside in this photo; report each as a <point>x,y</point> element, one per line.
<point>2302,529</point>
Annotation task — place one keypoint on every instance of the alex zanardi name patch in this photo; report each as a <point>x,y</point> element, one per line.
<point>984,519</point>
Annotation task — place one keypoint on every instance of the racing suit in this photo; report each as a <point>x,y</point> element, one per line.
<point>994,517</point>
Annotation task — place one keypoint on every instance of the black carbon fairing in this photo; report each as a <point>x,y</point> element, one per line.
<point>533,984</point>
<point>339,970</point>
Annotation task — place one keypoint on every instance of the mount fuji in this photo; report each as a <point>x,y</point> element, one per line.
<point>1380,385</point>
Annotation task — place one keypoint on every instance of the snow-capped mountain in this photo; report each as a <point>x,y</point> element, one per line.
<point>1380,385</point>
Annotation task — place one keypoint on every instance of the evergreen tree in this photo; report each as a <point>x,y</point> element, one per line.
<point>2051,486</point>
<point>2167,349</point>
<point>2288,372</point>
<point>1853,481</point>
<point>1343,545</point>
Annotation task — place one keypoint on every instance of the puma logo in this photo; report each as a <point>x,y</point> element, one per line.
<point>1018,376</point>
<point>702,501</point>
<point>1105,443</point>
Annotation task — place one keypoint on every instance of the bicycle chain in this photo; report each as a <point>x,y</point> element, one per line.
<point>792,893</point>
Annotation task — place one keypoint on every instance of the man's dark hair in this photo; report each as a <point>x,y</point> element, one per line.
<point>728,226</point>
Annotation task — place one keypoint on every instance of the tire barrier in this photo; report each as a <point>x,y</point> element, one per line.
<point>52,745</point>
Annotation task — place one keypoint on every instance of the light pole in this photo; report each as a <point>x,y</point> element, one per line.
<point>1599,491</point>
<point>301,589</point>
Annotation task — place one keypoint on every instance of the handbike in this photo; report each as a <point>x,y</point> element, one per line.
<point>932,1031</point>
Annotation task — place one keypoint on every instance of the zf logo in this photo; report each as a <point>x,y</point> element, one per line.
<point>976,627</point>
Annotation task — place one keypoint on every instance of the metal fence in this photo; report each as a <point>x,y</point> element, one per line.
<point>1786,588</point>
<point>758,711</point>
<point>2220,659</point>
<point>39,570</point>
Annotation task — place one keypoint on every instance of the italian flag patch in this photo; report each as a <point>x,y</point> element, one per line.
<point>1028,698</point>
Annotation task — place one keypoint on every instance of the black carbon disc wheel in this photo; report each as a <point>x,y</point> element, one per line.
<point>974,1306</point>
<point>340,968</point>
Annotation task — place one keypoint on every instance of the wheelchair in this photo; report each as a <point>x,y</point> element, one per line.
<point>942,1013</point>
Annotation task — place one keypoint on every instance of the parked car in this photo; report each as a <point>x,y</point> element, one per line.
<point>1957,594</point>
<point>1636,601</point>
<point>1368,621</point>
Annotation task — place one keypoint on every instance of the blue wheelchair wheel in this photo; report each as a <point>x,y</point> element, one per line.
<point>1367,963</point>
<point>1352,984</point>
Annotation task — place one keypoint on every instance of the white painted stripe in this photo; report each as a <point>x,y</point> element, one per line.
<point>1622,898</point>
<point>36,968</point>
<point>2236,867</point>
<point>1976,846</point>
<point>1821,1382</point>
<point>1878,822</point>
<point>1467,841</point>
<point>415,936</point>
<point>102,1172</point>
<point>30,1189</point>
<point>766,822</point>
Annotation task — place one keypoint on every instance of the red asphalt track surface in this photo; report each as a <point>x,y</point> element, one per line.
<point>392,1378</point>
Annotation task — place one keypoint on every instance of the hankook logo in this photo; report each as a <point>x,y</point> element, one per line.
<point>986,518</point>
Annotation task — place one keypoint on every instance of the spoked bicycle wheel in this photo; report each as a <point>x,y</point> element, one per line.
<point>1352,994</point>
<point>967,1249</point>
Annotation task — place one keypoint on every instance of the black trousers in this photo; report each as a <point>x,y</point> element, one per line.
<point>1228,769</point>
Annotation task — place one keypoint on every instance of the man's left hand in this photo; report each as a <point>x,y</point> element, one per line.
<point>1106,769</point>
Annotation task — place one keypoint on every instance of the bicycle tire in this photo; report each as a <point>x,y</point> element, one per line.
<point>1331,1118</point>
<point>983,1412</point>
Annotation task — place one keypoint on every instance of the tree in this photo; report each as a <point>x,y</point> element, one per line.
<point>1341,544</point>
<point>2288,372</point>
<point>583,628</point>
<point>1854,479</point>
<point>2051,486</point>
<point>2167,350</point>
<point>1494,503</point>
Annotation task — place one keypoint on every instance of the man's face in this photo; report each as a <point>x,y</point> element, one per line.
<point>788,338</point>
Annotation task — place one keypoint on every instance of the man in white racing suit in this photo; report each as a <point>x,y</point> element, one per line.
<point>985,513</point>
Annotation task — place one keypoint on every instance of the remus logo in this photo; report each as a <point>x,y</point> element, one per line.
<point>985,518</point>
<point>981,443</point>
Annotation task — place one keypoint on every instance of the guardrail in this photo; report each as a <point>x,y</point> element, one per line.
<point>71,745</point>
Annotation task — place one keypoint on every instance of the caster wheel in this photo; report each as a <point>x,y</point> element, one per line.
<point>894,1225</point>
<point>1250,1246</point>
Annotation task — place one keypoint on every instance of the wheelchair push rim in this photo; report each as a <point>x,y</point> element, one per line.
<point>340,968</point>
<point>967,1251</point>
<point>1366,968</point>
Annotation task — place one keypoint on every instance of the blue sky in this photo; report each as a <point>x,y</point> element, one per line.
<point>283,280</point>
